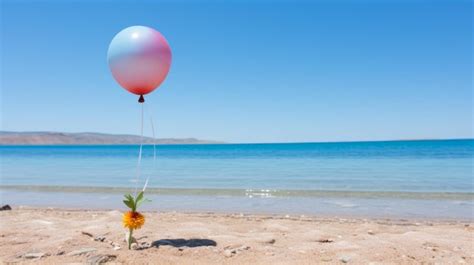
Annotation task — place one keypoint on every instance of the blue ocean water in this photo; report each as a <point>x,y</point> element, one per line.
<point>438,170</point>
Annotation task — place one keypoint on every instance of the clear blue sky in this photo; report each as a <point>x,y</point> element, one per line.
<point>247,71</point>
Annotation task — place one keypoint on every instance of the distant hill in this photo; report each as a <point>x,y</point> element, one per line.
<point>58,138</point>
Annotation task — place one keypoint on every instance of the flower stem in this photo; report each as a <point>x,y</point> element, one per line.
<point>130,238</point>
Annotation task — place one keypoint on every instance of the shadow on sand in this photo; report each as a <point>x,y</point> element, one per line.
<point>180,242</point>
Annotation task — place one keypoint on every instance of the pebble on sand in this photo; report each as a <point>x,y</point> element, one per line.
<point>37,255</point>
<point>87,234</point>
<point>5,207</point>
<point>345,259</point>
<point>229,251</point>
<point>267,241</point>
<point>100,259</point>
<point>325,240</point>
<point>99,238</point>
<point>81,251</point>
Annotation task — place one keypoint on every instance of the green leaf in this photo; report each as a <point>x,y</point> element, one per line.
<point>142,201</point>
<point>129,197</point>
<point>139,197</point>
<point>129,204</point>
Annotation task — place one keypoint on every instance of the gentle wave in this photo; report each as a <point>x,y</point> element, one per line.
<point>250,193</point>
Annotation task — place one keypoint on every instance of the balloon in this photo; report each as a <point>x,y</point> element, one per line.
<point>139,58</point>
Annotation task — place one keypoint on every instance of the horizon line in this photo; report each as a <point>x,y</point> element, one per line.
<point>220,142</point>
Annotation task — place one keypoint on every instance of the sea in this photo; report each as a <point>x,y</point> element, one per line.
<point>430,179</point>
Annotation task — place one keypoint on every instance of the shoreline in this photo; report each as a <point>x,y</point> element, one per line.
<point>52,236</point>
<point>250,203</point>
<point>239,192</point>
<point>276,216</point>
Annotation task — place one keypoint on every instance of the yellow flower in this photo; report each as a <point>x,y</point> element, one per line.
<point>133,220</point>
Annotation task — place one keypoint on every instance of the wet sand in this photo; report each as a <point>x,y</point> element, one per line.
<point>59,236</point>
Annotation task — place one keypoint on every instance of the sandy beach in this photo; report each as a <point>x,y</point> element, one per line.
<point>236,132</point>
<point>59,236</point>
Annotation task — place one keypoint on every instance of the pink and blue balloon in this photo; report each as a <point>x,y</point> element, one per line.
<point>139,58</point>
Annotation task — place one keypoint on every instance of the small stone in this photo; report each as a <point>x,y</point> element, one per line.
<point>100,259</point>
<point>370,232</point>
<point>144,245</point>
<point>345,259</point>
<point>267,241</point>
<point>99,238</point>
<point>271,241</point>
<point>5,207</point>
<point>134,246</point>
<point>60,252</point>
<point>325,240</point>
<point>326,259</point>
<point>228,253</point>
<point>117,247</point>
<point>87,234</point>
<point>81,251</point>
<point>287,216</point>
<point>37,255</point>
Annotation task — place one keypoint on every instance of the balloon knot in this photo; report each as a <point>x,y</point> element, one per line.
<point>141,99</point>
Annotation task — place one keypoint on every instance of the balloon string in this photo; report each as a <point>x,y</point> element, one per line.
<point>154,143</point>
<point>153,135</point>
<point>140,152</point>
